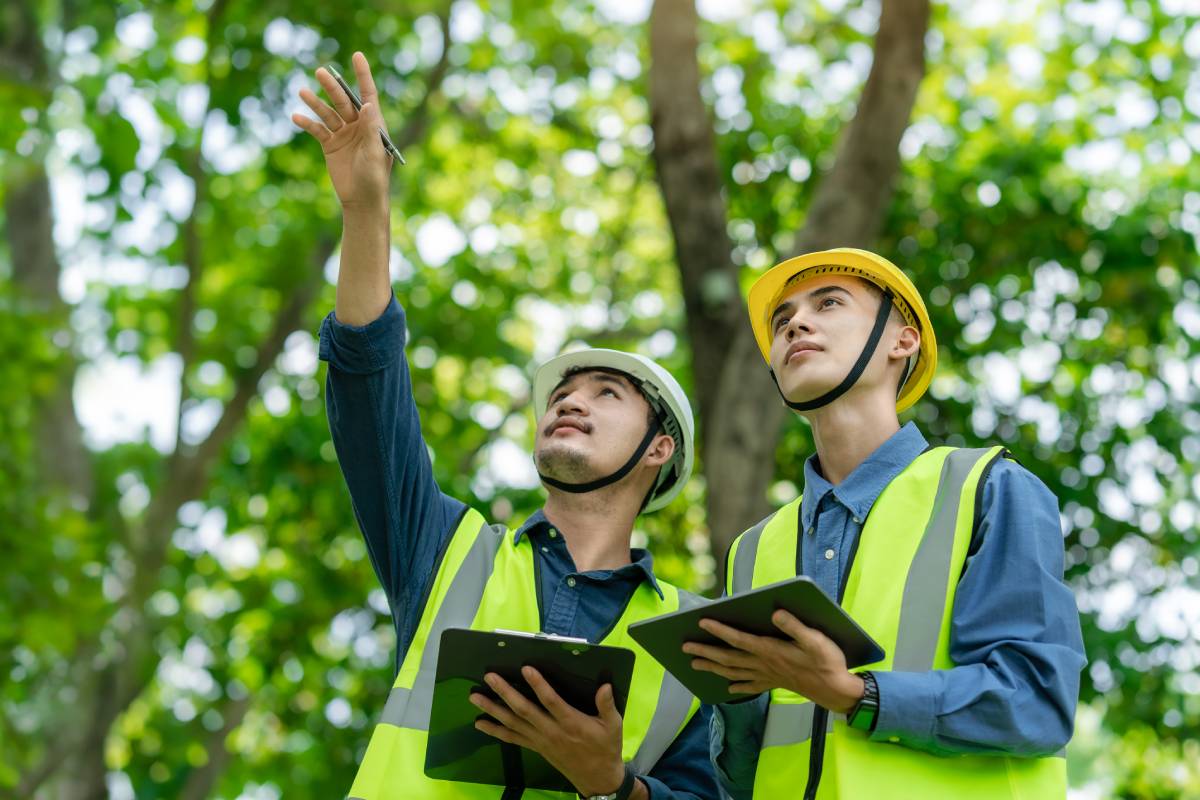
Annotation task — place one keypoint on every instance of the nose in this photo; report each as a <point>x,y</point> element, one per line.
<point>571,403</point>
<point>796,325</point>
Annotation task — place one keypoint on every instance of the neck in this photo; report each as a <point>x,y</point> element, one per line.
<point>850,429</point>
<point>595,525</point>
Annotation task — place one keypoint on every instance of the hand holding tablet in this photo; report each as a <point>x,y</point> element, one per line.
<point>752,613</point>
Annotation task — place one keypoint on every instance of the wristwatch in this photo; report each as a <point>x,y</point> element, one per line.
<point>862,717</point>
<point>623,792</point>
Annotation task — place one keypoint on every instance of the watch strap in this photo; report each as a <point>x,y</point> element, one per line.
<point>623,792</point>
<point>866,711</point>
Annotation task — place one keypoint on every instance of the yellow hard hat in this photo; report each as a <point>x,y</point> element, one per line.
<point>776,282</point>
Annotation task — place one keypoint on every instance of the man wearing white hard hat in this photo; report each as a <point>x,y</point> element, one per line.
<point>614,439</point>
<point>950,558</point>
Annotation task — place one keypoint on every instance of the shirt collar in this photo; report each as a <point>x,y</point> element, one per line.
<point>641,562</point>
<point>862,487</point>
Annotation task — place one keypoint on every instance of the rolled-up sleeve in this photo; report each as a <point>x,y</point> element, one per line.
<point>1015,638</point>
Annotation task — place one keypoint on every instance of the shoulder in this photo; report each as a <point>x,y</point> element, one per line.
<point>1016,513</point>
<point>1007,480</point>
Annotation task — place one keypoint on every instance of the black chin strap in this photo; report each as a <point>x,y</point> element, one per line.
<point>864,358</point>
<point>600,483</point>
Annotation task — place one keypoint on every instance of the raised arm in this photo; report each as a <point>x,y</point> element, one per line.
<point>403,515</point>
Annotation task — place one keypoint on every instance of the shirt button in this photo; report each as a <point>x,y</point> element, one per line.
<point>545,549</point>
<point>571,582</point>
<point>553,533</point>
<point>857,521</point>
<point>829,554</point>
<point>811,529</point>
<point>893,739</point>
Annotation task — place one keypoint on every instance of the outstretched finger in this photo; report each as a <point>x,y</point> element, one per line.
<point>328,115</point>
<point>366,83</point>
<point>314,128</point>
<point>341,101</point>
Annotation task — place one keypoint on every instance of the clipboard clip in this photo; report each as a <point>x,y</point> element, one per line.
<point>553,637</point>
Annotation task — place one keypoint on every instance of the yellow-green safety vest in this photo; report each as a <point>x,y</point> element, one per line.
<point>486,581</point>
<point>900,589</point>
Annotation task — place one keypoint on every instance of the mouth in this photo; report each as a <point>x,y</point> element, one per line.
<point>566,426</point>
<point>799,350</point>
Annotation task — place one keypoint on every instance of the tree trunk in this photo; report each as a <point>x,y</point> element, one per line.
<point>740,410</point>
<point>29,218</point>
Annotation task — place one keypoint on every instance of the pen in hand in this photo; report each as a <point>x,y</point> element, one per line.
<point>357,103</point>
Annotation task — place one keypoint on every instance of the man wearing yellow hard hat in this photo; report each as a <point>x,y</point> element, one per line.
<point>950,558</point>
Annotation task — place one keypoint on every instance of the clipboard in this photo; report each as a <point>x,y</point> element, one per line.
<point>664,636</point>
<point>456,751</point>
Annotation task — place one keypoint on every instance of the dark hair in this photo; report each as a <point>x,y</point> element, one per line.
<point>652,415</point>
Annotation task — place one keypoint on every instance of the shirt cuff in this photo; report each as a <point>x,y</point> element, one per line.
<point>363,349</point>
<point>735,741</point>
<point>907,707</point>
<point>657,789</point>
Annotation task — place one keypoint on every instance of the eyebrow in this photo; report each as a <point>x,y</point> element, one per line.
<point>595,376</point>
<point>824,290</point>
<point>788,305</point>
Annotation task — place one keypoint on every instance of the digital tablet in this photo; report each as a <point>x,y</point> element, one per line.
<point>663,637</point>
<point>575,668</point>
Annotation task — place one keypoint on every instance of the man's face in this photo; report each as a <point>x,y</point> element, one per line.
<point>593,421</point>
<point>818,331</point>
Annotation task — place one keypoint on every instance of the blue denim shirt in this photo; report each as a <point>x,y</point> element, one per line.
<point>1015,635</point>
<point>406,519</point>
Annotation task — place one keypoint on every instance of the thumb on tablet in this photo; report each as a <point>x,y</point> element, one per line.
<point>607,706</point>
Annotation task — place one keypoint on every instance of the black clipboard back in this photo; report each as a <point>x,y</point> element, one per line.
<point>664,636</point>
<point>576,669</point>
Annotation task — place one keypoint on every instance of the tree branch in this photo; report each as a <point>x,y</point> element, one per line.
<point>186,467</point>
<point>201,780</point>
<point>688,173</point>
<point>849,205</point>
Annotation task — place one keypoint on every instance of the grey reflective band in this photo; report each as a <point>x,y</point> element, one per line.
<point>745,556</point>
<point>788,723</point>
<point>670,711</point>
<point>409,708</point>
<point>924,599</point>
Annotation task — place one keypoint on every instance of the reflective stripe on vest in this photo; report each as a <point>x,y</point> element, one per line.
<point>486,581</point>
<point>901,589</point>
<point>409,708</point>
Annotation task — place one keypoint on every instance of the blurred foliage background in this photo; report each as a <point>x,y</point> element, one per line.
<point>186,606</point>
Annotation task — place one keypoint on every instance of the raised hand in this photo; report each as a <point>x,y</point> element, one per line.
<point>358,164</point>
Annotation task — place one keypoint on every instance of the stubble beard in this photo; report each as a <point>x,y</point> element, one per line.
<point>563,463</point>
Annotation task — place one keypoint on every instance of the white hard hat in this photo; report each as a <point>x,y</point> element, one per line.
<point>661,389</point>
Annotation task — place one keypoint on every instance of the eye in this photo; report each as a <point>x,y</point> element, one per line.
<point>780,321</point>
<point>827,300</point>
<point>609,390</point>
<point>557,398</point>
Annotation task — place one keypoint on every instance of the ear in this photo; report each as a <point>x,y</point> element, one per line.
<point>906,343</point>
<point>660,451</point>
